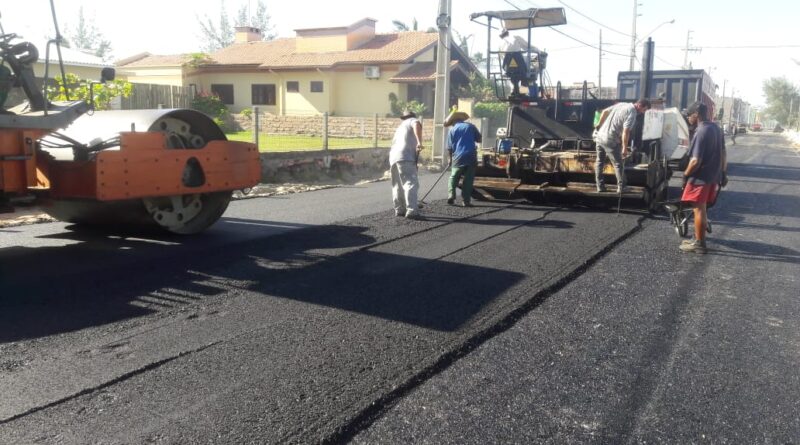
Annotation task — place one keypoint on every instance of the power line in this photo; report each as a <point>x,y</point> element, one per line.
<point>584,43</point>
<point>593,20</point>
<point>569,36</point>
<point>737,47</point>
<point>668,63</point>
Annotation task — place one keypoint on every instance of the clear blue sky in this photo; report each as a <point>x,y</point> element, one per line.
<point>728,35</point>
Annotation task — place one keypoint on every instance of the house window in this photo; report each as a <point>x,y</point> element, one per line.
<point>292,86</point>
<point>415,93</point>
<point>224,92</point>
<point>263,94</point>
<point>316,86</point>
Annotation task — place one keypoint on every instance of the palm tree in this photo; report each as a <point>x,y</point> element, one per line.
<point>401,26</point>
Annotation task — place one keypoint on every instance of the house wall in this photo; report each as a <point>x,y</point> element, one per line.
<point>321,44</point>
<point>426,56</point>
<point>83,72</point>
<point>357,96</point>
<point>304,102</point>
<point>242,87</point>
<point>157,75</point>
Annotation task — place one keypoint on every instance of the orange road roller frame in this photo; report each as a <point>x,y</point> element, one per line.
<point>145,167</point>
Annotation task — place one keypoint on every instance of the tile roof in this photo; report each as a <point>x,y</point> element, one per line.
<point>147,60</point>
<point>71,56</point>
<point>281,54</point>
<point>420,72</point>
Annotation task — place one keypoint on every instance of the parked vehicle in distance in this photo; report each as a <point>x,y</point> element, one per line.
<point>777,129</point>
<point>755,127</point>
<point>741,128</point>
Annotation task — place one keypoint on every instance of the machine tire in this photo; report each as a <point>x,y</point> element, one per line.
<point>213,206</point>
<point>133,214</point>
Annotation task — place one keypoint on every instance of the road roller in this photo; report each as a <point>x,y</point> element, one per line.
<point>169,168</point>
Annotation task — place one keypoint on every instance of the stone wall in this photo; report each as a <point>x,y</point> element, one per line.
<point>338,126</point>
<point>324,165</point>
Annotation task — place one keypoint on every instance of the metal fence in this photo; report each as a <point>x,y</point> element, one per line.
<point>326,132</point>
<point>318,132</point>
<point>148,96</point>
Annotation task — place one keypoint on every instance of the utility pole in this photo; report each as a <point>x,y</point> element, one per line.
<point>633,33</point>
<point>686,64</point>
<point>721,114</point>
<point>600,67</point>
<point>441,104</point>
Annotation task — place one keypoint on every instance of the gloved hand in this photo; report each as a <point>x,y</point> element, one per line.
<point>724,180</point>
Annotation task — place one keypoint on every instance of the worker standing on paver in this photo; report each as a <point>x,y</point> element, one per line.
<point>612,138</point>
<point>462,145</point>
<point>704,174</point>
<point>406,145</point>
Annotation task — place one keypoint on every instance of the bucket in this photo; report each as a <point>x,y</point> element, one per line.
<point>504,147</point>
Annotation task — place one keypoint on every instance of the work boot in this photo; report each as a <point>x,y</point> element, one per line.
<point>695,246</point>
<point>399,213</point>
<point>467,204</point>
<point>601,189</point>
<point>451,201</point>
<point>414,215</point>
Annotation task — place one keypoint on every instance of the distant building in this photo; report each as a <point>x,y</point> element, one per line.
<point>348,71</point>
<point>84,65</point>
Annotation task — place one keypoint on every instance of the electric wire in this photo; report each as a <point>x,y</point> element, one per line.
<point>569,36</point>
<point>593,20</point>
<point>584,43</point>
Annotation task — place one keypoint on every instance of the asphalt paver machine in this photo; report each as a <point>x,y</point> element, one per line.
<point>546,152</point>
<point>172,168</point>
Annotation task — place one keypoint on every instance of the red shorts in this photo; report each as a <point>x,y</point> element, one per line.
<point>701,194</point>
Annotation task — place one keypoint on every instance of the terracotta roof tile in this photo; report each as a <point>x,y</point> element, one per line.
<point>280,53</point>
<point>151,60</point>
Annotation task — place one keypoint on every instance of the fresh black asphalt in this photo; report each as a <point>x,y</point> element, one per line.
<point>312,318</point>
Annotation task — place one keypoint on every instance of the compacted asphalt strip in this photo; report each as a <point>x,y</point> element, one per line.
<point>312,318</point>
<point>650,345</point>
<point>282,338</point>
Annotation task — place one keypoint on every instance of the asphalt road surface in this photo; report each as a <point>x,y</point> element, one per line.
<point>321,317</point>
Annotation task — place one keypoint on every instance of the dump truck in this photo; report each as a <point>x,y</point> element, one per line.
<point>169,168</point>
<point>676,88</point>
<point>546,151</point>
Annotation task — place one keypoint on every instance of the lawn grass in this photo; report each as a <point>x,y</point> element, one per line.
<point>299,142</point>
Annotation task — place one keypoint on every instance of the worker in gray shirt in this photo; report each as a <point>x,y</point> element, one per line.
<point>612,137</point>
<point>403,156</point>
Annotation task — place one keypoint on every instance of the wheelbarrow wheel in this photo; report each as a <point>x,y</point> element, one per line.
<point>682,227</point>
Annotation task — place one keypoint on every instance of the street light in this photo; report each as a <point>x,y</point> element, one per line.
<point>668,22</point>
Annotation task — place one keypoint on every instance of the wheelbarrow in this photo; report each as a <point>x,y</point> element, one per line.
<point>680,213</point>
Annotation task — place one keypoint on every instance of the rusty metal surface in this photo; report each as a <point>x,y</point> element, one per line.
<point>571,188</point>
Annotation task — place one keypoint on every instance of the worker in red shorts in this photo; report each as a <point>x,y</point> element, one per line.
<point>704,174</point>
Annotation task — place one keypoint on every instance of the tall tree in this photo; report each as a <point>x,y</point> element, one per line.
<point>220,34</point>
<point>781,94</point>
<point>216,36</point>
<point>263,21</point>
<point>87,37</point>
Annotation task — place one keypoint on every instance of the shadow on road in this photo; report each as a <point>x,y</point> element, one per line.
<point>771,172</point>
<point>110,277</point>
<point>757,251</point>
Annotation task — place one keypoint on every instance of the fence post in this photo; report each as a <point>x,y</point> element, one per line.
<point>256,126</point>
<point>375,137</point>
<point>325,130</point>
<point>484,128</point>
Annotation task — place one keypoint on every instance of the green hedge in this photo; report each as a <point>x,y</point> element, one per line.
<point>496,112</point>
